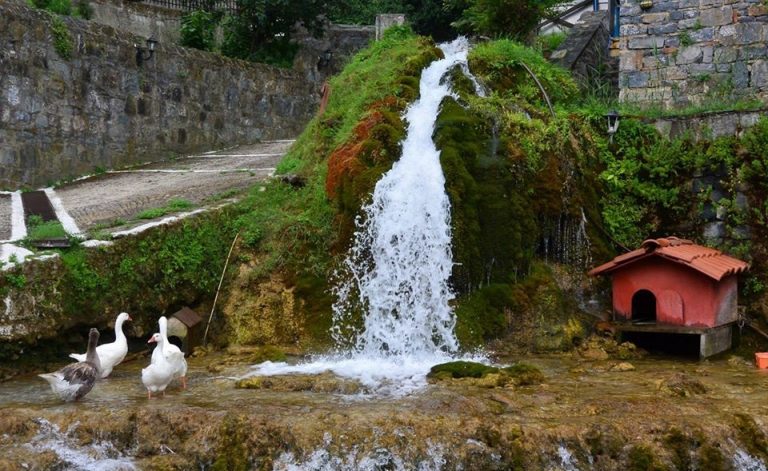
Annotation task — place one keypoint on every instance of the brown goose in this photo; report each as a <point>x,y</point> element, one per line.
<point>76,380</point>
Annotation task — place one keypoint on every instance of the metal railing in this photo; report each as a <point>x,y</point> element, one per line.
<point>192,5</point>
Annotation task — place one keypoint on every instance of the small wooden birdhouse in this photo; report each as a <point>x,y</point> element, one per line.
<point>186,324</point>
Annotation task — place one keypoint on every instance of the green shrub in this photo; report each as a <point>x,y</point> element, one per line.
<point>198,30</point>
<point>62,41</point>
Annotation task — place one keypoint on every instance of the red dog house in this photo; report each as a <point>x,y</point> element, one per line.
<point>672,285</point>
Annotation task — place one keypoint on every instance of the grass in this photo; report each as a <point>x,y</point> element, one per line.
<point>46,230</point>
<point>173,206</point>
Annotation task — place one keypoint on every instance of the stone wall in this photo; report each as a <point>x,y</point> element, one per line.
<point>684,52</point>
<point>585,50</point>
<point>139,19</point>
<point>62,117</point>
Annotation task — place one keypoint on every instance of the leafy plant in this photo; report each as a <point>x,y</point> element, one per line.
<point>514,19</point>
<point>62,41</point>
<point>261,30</point>
<point>198,29</point>
<point>685,39</point>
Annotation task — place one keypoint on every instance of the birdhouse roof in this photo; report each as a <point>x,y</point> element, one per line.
<point>187,316</point>
<point>706,260</point>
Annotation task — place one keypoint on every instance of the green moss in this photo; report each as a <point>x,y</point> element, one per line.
<point>482,315</point>
<point>641,458</point>
<point>62,41</point>
<point>500,64</point>
<point>232,453</point>
<point>461,369</point>
<point>524,374</point>
<point>680,446</point>
<point>751,436</point>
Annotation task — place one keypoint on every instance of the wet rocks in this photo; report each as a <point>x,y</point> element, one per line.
<point>681,385</point>
<point>320,383</point>
<point>602,348</point>
<point>478,374</point>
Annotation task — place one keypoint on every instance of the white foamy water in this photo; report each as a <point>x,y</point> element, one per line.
<point>397,270</point>
<point>323,459</point>
<point>743,461</point>
<point>100,455</point>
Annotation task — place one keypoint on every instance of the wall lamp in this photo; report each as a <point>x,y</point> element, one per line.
<point>613,123</point>
<point>140,51</point>
<point>325,59</point>
<point>646,4</point>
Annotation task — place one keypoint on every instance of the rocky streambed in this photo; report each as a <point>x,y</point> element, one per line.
<point>650,413</point>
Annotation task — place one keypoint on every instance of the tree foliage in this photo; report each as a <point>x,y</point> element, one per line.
<point>514,19</point>
<point>261,30</point>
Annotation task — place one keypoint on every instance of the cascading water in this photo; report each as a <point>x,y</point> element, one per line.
<point>398,268</point>
<point>397,271</point>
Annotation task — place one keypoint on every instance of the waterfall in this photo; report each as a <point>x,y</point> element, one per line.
<point>398,267</point>
<point>396,272</point>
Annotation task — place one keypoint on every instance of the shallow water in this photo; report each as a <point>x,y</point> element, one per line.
<point>363,429</point>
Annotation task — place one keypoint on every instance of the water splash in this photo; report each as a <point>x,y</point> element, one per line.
<point>322,459</point>
<point>101,455</point>
<point>396,273</point>
<point>566,459</point>
<point>743,461</point>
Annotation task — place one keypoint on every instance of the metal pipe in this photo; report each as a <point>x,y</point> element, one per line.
<point>543,92</point>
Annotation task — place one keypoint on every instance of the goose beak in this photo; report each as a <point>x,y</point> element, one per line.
<point>129,318</point>
<point>151,340</point>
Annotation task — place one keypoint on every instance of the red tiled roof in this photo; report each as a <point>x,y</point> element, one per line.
<point>706,260</point>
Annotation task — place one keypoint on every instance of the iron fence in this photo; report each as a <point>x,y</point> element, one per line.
<point>192,5</point>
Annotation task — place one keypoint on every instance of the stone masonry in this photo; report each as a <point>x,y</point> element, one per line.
<point>96,108</point>
<point>688,52</point>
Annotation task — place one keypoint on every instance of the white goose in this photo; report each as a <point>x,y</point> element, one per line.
<point>77,379</point>
<point>110,354</point>
<point>173,354</point>
<point>159,374</point>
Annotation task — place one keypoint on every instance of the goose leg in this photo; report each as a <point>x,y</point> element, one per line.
<point>149,394</point>
<point>183,382</point>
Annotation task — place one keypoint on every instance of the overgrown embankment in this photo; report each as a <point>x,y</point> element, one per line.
<point>537,198</point>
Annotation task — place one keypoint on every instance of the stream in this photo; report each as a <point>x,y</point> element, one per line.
<point>313,428</point>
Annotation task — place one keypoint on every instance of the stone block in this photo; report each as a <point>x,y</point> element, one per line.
<point>675,73</point>
<point>725,54</point>
<point>723,67</point>
<point>716,16</point>
<point>757,10</point>
<point>707,54</point>
<point>632,30</point>
<point>631,60</point>
<point>748,33</point>
<point>646,42</point>
<point>637,79</point>
<point>760,74</point>
<point>672,41</point>
<point>689,55</point>
<point>753,52</point>
<point>699,69</point>
<point>663,29</point>
<point>703,34</point>
<point>655,18</point>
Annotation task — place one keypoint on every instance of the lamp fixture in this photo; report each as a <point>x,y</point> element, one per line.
<point>613,123</point>
<point>140,51</point>
<point>325,59</point>
<point>646,4</point>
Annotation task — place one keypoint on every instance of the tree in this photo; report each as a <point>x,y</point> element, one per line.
<point>261,30</point>
<point>515,19</point>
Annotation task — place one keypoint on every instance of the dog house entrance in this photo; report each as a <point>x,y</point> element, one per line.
<point>643,307</point>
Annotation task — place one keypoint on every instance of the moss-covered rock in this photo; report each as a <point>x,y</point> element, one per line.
<point>478,374</point>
